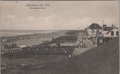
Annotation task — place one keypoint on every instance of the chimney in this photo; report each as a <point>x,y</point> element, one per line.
<point>104,25</point>
<point>112,25</point>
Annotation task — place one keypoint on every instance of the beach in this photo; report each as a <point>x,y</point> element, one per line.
<point>31,60</point>
<point>30,38</point>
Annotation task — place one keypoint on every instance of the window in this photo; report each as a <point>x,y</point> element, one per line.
<point>112,33</point>
<point>117,33</point>
<point>93,31</point>
<point>97,31</point>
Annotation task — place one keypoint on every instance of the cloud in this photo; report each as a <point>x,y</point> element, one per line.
<point>30,18</point>
<point>11,16</point>
<point>53,22</point>
<point>60,15</point>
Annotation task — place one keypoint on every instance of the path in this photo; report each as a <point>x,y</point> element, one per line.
<point>79,51</point>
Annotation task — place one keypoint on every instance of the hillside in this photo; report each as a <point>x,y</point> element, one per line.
<point>99,60</point>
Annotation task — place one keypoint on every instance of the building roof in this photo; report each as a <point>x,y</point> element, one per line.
<point>111,30</point>
<point>108,28</point>
<point>95,26</point>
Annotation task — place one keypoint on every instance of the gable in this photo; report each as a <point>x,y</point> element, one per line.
<point>107,28</point>
<point>114,29</point>
<point>95,26</point>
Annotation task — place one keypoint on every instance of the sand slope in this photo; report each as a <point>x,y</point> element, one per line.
<point>100,60</point>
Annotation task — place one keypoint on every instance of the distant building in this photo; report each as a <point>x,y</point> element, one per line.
<point>92,32</point>
<point>100,35</point>
<point>110,31</point>
<point>93,29</point>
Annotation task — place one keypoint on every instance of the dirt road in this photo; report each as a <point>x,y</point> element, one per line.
<point>80,50</point>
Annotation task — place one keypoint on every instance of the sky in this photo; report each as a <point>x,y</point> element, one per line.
<point>59,15</point>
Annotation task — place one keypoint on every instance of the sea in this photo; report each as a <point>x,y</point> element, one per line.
<point>22,32</point>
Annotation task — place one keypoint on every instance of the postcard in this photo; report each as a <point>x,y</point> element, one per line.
<point>59,36</point>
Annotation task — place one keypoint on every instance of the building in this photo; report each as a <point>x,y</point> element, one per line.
<point>93,29</point>
<point>108,33</point>
<point>92,32</point>
<point>100,35</point>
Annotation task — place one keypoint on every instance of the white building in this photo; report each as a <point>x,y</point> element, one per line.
<point>110,31</point>
<point>93,29</point>
<point>100,35</point>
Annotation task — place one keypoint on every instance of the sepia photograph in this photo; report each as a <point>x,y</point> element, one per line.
<point>59,37</point>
